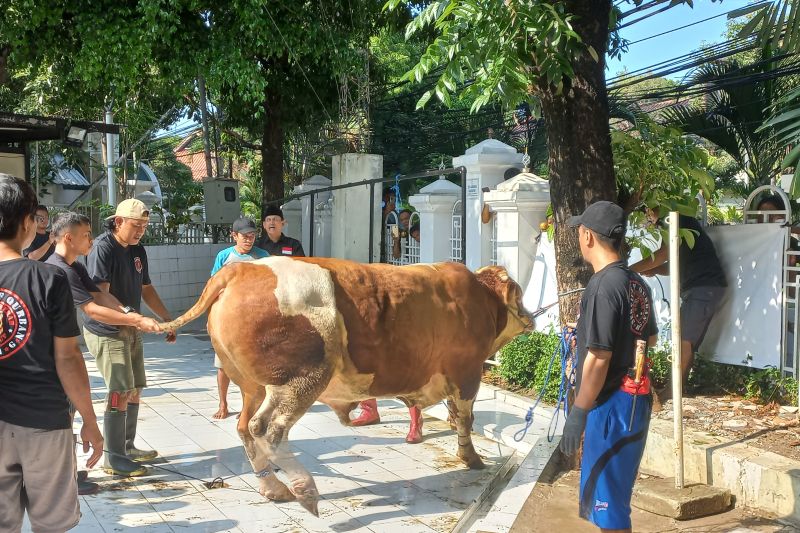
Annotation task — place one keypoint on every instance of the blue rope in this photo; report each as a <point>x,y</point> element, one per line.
<point>398,201</point>
<point>564,350</point>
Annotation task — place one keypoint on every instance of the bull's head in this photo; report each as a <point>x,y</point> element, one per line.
<point>510,293</point>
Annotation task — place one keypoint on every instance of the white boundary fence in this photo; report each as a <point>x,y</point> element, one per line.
<point>400,248</point>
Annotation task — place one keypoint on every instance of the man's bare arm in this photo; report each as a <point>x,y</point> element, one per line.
<point>153,301</point>
<point>659,258</point>
<point>40,251</point>
<point>74,379</point>
<point>595,369</point>
<point>111,316</point>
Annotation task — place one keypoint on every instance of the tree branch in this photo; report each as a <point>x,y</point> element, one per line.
<point>244,142</point>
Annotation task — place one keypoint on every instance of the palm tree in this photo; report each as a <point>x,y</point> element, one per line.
<point>776,25</point>
<point>732,112</point>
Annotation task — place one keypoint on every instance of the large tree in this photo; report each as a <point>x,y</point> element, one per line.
<point>270,67</point>
<point>550,52</point>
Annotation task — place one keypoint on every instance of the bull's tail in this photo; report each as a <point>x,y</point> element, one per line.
<point>211,292</point>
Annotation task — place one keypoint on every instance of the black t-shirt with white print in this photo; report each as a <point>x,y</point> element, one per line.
<point>80,282</point>
<point>124,268</point>
<point>35,306</point>
<point>616,311</point>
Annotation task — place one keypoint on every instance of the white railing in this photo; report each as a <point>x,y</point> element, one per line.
<point>493,259</point>
<point>157,234</point>
<point>457,226</point>
<point>400,247</point>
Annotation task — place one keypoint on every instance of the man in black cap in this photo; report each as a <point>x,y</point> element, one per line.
<point>615,326</point>
<point>244,235</point>
<point>273,240</point>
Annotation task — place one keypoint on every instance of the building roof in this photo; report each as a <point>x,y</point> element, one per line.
<point>24,128</point>
<point>67,175</point>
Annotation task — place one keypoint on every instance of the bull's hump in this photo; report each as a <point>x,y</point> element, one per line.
<point>304,289</point>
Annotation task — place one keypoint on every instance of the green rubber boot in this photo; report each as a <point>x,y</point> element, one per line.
<point>134,453</point>
<point>115,461</point>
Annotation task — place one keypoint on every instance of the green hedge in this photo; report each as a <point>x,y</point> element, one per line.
<point>525,359</point>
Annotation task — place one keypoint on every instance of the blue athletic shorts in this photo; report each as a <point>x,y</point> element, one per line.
<point>611,457</point>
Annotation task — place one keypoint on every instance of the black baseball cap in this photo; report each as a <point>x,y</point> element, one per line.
<point>244,225</point>
<point>603,217</point>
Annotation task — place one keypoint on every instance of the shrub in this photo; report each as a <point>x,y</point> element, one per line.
<point>524,362</point>
<point>708,377</point>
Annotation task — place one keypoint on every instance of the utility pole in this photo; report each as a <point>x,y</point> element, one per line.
<point>201,85</point>
<point>112,183</point>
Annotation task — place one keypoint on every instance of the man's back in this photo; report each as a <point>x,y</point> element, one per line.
<point>35,306</point>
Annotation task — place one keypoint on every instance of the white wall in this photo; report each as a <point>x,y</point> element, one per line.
<point>179,273</point>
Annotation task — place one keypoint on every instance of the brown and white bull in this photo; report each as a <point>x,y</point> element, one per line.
<point>292,331</point>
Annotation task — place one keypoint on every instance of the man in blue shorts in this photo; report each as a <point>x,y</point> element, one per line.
<point>244,235</point>
<point>611,405</point>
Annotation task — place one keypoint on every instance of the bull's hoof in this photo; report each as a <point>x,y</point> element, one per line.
<point>474,462</point>
<point>308,498</point>
<point>275,491</point>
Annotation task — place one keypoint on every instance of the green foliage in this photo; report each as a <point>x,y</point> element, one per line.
<point>708,377</point>
<point>250,191</point>
<point>770,385</point>
<point>504,48</point>
<point>732,116</point>
<point>525,360</point>
<point>659,167</point>
<point>729,215</point>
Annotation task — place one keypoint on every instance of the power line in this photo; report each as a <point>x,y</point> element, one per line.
<point>297,62</point>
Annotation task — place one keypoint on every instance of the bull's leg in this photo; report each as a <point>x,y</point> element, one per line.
<point>270,426</point>
<point>464,419</point>
<point>342,410</point>
<point>269,485</point>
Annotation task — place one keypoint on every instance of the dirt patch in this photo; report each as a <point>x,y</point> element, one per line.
<point>553,506</point>
<point>494,379</point>
<point>768,427</point>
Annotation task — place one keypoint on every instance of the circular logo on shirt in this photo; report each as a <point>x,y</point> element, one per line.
<point>15,320</point>
<point>640,306</point>
<point>138,264</point>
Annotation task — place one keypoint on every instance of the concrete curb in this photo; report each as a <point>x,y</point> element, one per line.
<point>757,478</point>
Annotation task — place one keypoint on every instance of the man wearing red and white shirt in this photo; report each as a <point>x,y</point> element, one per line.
<point>273,240</point>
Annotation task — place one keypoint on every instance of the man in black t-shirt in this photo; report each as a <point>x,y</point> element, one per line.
<point>702,286</point>
<point>612,403</point>
<point>273,240</point>
<point>118,265</point>
<point>72,233</point>
<point>41,372</point>
<point>42,246</point>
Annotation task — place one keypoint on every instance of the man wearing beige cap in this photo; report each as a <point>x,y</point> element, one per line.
<point>118,265</point>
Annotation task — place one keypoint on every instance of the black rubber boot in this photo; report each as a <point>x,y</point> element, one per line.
<point>134,453</point>
<point>115,460</point>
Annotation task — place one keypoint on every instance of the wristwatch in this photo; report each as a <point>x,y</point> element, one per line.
<point>128,309</point>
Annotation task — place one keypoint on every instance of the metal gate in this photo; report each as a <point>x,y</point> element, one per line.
<point>380,182</point>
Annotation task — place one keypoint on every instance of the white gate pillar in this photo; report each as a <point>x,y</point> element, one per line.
<point>292,218</point>
<point>323,222</point>
<point>519,206</point>
<point>486,164</point>
<point>435,206</point>
<point>350,230</point>
<point>310,184</point>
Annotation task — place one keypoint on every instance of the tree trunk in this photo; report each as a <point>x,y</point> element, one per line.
<point>272,149</point>
<point>579,145</point>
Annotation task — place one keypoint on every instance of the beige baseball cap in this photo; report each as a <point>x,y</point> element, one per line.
<point>131,208</point>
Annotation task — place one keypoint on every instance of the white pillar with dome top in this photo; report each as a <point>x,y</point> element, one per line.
<point>486,164</point>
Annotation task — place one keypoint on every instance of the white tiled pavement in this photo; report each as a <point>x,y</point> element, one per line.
<point>369,478</point>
